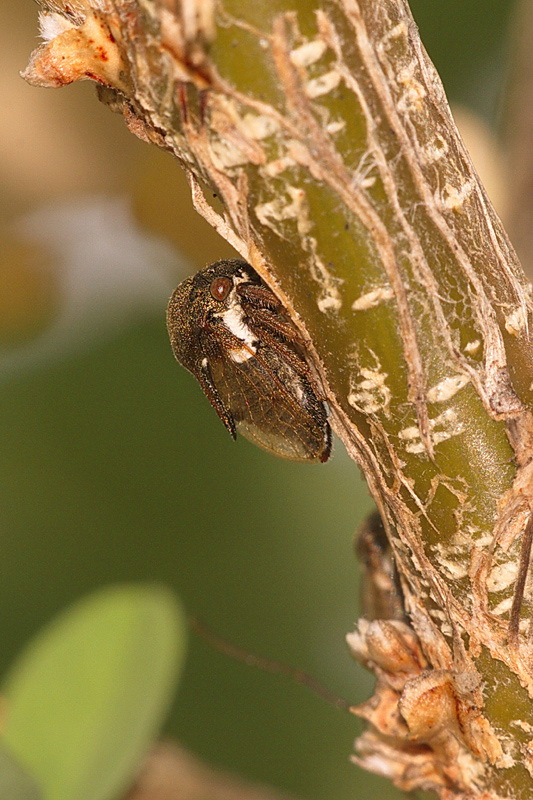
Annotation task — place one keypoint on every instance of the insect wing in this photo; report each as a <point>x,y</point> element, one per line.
<point>264,396</point>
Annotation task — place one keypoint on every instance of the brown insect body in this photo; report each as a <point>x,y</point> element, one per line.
<point>231,331</point>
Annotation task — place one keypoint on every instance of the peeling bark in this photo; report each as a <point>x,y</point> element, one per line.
<point>319,142</point>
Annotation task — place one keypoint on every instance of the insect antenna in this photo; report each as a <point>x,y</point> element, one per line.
<point>267,665</point>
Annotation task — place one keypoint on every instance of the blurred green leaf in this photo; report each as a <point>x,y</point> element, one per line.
<point>15,782</point>
<point>89,694</point>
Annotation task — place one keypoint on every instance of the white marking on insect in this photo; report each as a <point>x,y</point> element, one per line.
<point>241,355</point>
<point>233,319</point>
<point>300,393</point>
<point>241,276</point>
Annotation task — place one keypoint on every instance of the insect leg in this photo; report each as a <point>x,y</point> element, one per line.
<point>273,322</point>
<point>258,296</point>
<point>276,338</point>
<point>210,390</point>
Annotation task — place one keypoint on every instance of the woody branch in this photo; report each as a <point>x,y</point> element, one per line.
<point>339,175</point>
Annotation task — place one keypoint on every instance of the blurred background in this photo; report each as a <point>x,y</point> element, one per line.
<point>114,467</point>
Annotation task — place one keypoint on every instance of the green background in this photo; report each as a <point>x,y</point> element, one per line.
<point>115,468</point>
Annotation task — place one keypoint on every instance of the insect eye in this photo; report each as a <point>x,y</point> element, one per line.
<point>221,287</point>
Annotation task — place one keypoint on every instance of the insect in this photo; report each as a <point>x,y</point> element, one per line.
<point>381,595</point>
<point>231,331</point>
